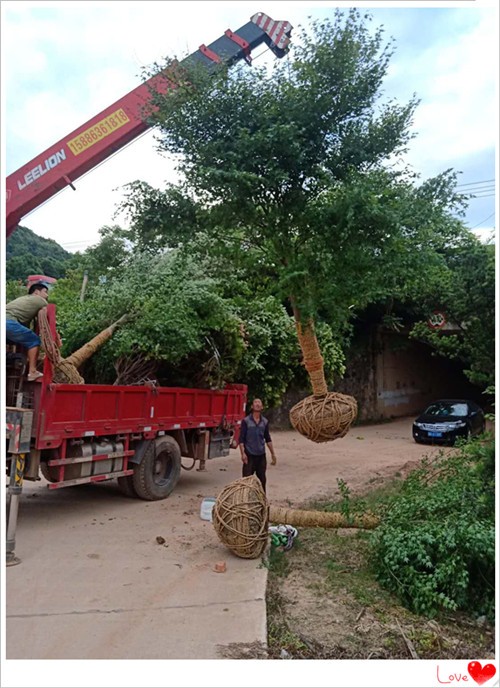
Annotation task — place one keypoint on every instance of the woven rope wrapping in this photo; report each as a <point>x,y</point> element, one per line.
<point>320,519</point>
<point>313,360</point>
<point>49,345</point>
<point>64,372</point>
<point>240,517</point>
<point>324,418</point>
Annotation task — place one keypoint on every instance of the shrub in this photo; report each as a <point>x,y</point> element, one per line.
<point>436,546</point>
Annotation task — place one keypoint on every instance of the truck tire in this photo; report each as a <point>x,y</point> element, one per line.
<point>158,472</point>
<point>48,472</point>
<point>126,485</point>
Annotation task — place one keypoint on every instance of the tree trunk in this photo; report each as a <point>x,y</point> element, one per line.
<point>320,519</point>
<point>85,352</point>
<point>313,360</point>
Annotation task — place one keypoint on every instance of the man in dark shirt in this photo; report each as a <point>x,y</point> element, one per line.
<point>253,439</point>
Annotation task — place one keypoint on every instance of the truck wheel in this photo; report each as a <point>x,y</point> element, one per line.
<point>159,470</point>
<point>48,472</point>
<point>126,485</point>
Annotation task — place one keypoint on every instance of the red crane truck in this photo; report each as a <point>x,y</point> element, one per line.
<point>74,434</point>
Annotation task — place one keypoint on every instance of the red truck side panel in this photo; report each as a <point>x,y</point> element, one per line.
<point>75,411</point>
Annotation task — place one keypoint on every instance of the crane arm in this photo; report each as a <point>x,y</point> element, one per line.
<point>123,121</point>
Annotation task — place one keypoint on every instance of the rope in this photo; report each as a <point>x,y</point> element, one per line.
<point>240,517</point>
<point>324,418</point>
<point>320,519</point>
<point>241,514</point>
<point>64,372</point>
<point>313,360</point>
<point>49,344</point>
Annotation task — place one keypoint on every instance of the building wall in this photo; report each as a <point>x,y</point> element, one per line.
<point>409,376</point>
<point>391,376</point>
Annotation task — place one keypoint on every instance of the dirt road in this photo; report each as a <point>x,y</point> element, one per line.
<point>95,583</point>
<point>366,456</point>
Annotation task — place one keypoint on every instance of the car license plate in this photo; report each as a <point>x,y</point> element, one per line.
<point>435,434</point>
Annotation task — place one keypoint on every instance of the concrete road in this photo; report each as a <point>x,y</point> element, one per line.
<point>95,584</point>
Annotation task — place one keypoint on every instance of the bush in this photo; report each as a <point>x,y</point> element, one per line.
<point>436,546</point>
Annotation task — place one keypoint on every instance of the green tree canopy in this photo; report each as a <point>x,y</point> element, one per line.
<point>465,292</point>
<point>199,329</point>
<point>292,174</point>
<point>289,194</point>
<point>290,171</point>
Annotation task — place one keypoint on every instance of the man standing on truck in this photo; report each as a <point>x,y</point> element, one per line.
<point>254,436</point>
<point>19,314</point>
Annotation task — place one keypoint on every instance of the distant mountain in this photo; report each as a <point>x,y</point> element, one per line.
<point>29,254</point>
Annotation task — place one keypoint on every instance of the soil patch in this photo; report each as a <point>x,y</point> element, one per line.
<point>323,602</point>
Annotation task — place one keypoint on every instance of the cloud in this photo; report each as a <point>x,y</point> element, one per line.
<point>455,80</point>
<point>66,62</point>
<point>486,235</point>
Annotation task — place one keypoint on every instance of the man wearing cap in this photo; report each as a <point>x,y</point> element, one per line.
<point>19,314</point>
<point>254,437</point>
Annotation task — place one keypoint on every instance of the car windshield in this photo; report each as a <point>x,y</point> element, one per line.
<point>444,408</point>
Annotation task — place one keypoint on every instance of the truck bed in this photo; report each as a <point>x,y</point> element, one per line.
<point>64,411</point>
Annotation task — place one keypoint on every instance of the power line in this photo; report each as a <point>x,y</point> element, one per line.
<point>483,181</point>
<point>485,220</point>
<point>476,189</point>
<point>476,194</point>
<point>479,186</point>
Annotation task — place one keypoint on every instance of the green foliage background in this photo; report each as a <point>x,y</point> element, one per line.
<point>29,254</point>
<point>435,547</point>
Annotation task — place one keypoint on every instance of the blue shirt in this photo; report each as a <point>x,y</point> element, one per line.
<point>255,435</point>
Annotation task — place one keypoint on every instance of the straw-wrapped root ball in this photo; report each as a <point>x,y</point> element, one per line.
<point>240,517</point>
<point>324,418</point>
<point>66,373</point>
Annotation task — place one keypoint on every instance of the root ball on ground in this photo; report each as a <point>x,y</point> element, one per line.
<point>240,517</point>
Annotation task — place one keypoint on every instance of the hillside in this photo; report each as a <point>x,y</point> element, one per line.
<point>27,254</point>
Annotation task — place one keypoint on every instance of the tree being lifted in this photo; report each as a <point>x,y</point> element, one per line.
<point>66,369</point>
<point>288,173</point>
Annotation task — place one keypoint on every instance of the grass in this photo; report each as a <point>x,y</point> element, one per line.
<point>334,567</point>
<point>280,637</point>
<point>277,562</point>
<point>376,500</point>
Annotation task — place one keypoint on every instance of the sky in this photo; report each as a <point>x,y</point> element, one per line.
<point>64,62</point>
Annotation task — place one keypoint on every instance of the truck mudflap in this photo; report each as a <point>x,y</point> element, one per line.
<point>19,422</point>
<point>18,430</point>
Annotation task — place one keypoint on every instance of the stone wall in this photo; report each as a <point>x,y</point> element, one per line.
<point>390,376</point>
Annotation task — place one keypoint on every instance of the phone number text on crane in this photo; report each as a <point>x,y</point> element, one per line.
<point>98,131</point>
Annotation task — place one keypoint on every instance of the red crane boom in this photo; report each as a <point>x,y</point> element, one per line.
<point>113,128</point>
